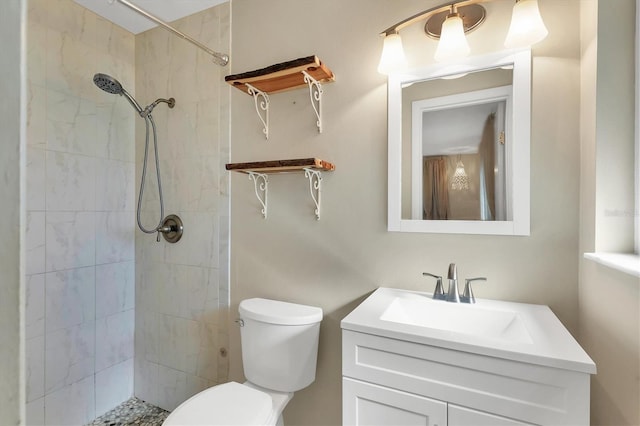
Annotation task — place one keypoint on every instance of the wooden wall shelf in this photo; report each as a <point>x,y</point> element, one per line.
<point>308,71</point>
<point>284,76</point>
<point>279,166</point>
<point>258,172</point>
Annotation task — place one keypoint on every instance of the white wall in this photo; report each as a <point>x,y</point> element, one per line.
<point>80,202</point>
<point>11,208</point>
<point>335,262</point>
<point>609,308</point>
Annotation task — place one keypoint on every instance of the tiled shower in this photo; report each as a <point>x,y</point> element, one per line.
<point>111,312</point>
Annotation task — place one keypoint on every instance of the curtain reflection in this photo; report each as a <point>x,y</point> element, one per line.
<point>435,188</point>
<point>486,151</point>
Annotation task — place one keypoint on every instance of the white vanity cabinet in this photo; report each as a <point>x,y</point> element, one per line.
<point>394,382</point>
<point>410,360</point>
<point>372,404</point>
<point>460,416</point>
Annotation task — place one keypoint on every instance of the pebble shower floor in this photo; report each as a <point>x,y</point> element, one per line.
<point>132,412</point>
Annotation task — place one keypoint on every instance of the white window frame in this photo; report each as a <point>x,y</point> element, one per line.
<point>637,136</point>
<point>630,262</point>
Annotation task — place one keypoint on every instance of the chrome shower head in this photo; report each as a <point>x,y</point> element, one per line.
<point>113,86</point>
<point>108,84</point>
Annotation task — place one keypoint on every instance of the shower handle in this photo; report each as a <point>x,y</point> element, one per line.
<point>171,229</point>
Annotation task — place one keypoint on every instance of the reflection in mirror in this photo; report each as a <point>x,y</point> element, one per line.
<point>459,147</point>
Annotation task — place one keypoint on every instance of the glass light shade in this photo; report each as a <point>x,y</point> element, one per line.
<point>460,179</point>
<point>392,58</point>
<point>453,43</point>
<point>527,27</point>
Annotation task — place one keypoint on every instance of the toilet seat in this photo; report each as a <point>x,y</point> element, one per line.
<point>227,404</point>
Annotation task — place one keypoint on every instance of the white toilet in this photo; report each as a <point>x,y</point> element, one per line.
<point>279,353</point>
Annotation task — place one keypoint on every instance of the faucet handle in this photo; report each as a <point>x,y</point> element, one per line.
<point>467,295</point>
<point>438,293</point>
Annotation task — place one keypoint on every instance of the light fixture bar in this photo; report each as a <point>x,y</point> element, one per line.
<point>425,14</point>
<point>219,58</point>
<point>450,22</point>
<point>472,15</point>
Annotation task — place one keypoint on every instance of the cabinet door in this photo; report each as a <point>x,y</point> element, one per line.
<point>373,405</point>
<point>461,416</point>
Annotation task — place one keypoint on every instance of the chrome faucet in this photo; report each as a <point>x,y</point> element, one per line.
<point>452,294</point>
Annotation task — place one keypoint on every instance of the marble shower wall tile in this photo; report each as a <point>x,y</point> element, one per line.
<point>115,182</point>
<point>114,237</point>
<point>35,368</point>
<point>36,43</point>
<point>145,379</point>
<point>146,336</point>
<point>69,356</point>
<point>35,243</point>
<point>197,248</point>
<point>70,182</point>
<point>36,179</point>
<point>70,240</point>
<point>180,344</point>
<point>68,70</point>
<point>80,222</point>
<point>70,298</point>
<point>35,413</point>
<point>71,405</point>
<point>172,387</point>
<point>113,385</point>
<point>36,114</point>
<point>115,288</point>
<point>114,339</point>
<point>34,307</point>
<point>182,289</point>
<point>187,291</point>
<point>115,125</point>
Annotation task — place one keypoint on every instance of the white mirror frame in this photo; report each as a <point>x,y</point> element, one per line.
<point>520,147</point>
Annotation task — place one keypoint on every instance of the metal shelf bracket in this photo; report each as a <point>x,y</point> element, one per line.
<point>261,187</point>
<point>315,187</point>
<point>315,94</point>
<point>261,101</point>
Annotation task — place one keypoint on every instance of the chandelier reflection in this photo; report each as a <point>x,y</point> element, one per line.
<point>460,180</point>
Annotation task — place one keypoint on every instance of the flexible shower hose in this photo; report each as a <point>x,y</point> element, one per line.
<point>149,119</point>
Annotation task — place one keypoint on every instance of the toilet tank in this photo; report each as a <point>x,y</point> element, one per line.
<point>279,343</point>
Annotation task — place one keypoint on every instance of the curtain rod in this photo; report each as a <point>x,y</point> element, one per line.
<point>221,59</point>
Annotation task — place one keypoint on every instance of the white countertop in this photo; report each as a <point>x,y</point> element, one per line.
<point>550,344</point>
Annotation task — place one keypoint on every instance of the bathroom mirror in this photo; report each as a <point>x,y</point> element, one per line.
<point>459,146</point>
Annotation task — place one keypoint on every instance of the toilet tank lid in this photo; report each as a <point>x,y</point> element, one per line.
<point>278,312</point>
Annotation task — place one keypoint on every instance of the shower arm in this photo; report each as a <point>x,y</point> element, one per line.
<point>171,102</point>
<point>221,59</point>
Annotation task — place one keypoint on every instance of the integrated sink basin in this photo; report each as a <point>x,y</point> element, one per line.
<point>472,320</point>
<point>515,331</point>
<point>410,359</point>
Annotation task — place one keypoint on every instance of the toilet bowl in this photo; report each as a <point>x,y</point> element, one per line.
<point>231,404</point>
<point>279,353</point>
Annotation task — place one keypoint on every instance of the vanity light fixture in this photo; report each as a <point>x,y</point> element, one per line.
<point>450,22</point>
<point>393,58</point>
<point>527,27</point>
<point>453,43</point>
